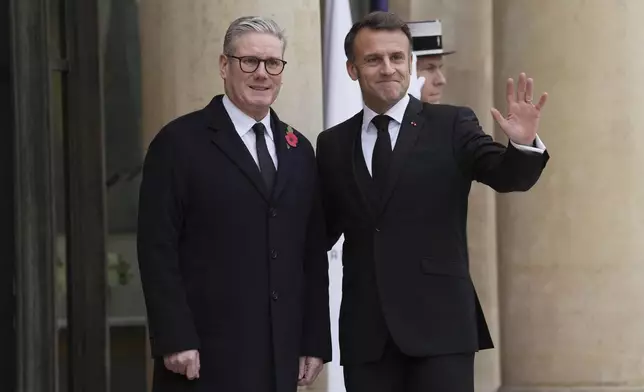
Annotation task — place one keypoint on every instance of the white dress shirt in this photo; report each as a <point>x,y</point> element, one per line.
<point>244,126</point>
<point>396,113</point>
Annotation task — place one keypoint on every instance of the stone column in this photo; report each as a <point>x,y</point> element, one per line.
<point>467,28</point>
<point>180,46</point>
<point>181,42</point>
<point>571,249</point>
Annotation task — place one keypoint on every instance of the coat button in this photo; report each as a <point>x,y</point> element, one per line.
<point>273,254</point>
<point>272,212</point>
<point>274,295</point>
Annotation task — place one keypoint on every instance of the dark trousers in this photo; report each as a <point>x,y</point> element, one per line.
<point>397,372</point>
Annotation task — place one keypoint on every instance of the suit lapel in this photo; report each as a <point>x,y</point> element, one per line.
<point>228,141</point>
<point>285,156</point>
<point>411,125</point>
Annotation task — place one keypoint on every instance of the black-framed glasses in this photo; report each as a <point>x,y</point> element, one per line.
<point>249,64</point>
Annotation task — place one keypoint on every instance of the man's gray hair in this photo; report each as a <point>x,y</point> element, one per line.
<point>251,24</point>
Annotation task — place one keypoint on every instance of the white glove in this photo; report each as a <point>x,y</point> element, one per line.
<point>415,83</point>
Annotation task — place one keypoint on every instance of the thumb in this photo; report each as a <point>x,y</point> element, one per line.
<point>192,370</point>
<point>302,368</point>
<point>497,116</point>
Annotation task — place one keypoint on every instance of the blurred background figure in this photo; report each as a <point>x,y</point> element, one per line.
<point>428,51</point>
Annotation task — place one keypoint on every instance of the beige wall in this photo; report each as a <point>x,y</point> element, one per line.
<point>571,249</point>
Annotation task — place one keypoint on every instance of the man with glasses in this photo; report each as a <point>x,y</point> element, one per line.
<point>231,235</point>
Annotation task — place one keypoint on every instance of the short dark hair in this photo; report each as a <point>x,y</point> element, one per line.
<point>378,20</point>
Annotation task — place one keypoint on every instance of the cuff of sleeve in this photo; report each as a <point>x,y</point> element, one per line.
<point>537,147</point>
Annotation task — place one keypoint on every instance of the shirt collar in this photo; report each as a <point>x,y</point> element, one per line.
<point>396,112</point>
<point>244,123</point>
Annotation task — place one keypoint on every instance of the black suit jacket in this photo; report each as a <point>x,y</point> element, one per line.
<point>226,267</point>
<point>405,257</point>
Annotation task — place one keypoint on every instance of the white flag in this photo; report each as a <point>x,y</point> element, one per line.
<point>342,97</point>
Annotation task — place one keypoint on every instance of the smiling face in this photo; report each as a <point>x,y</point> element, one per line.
<point>253,93</point>
<point>381,65</point>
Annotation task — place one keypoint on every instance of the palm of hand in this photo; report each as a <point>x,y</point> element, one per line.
<point>522,122</point>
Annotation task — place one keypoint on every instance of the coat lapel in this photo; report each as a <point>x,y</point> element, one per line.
<point>412,123</point>
<point>228,141</point>
<point>285,156</point>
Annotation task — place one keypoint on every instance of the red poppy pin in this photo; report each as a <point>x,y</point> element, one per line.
<point>291,137</point>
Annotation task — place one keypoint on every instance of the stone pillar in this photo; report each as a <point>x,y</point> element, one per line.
<point>180,46</point>
<point>181,42</point>
<point>571,249</point>
<point>467,28</point>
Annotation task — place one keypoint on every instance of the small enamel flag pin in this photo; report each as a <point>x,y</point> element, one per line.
<point>413,123</point>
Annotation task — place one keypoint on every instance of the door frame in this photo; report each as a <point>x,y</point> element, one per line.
<point>27,161</point>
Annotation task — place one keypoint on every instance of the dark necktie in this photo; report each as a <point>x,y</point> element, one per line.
<point>266,165</point>
<point>382,151</point>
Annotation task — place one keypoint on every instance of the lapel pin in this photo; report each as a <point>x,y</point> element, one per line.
<point>413,124</point>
